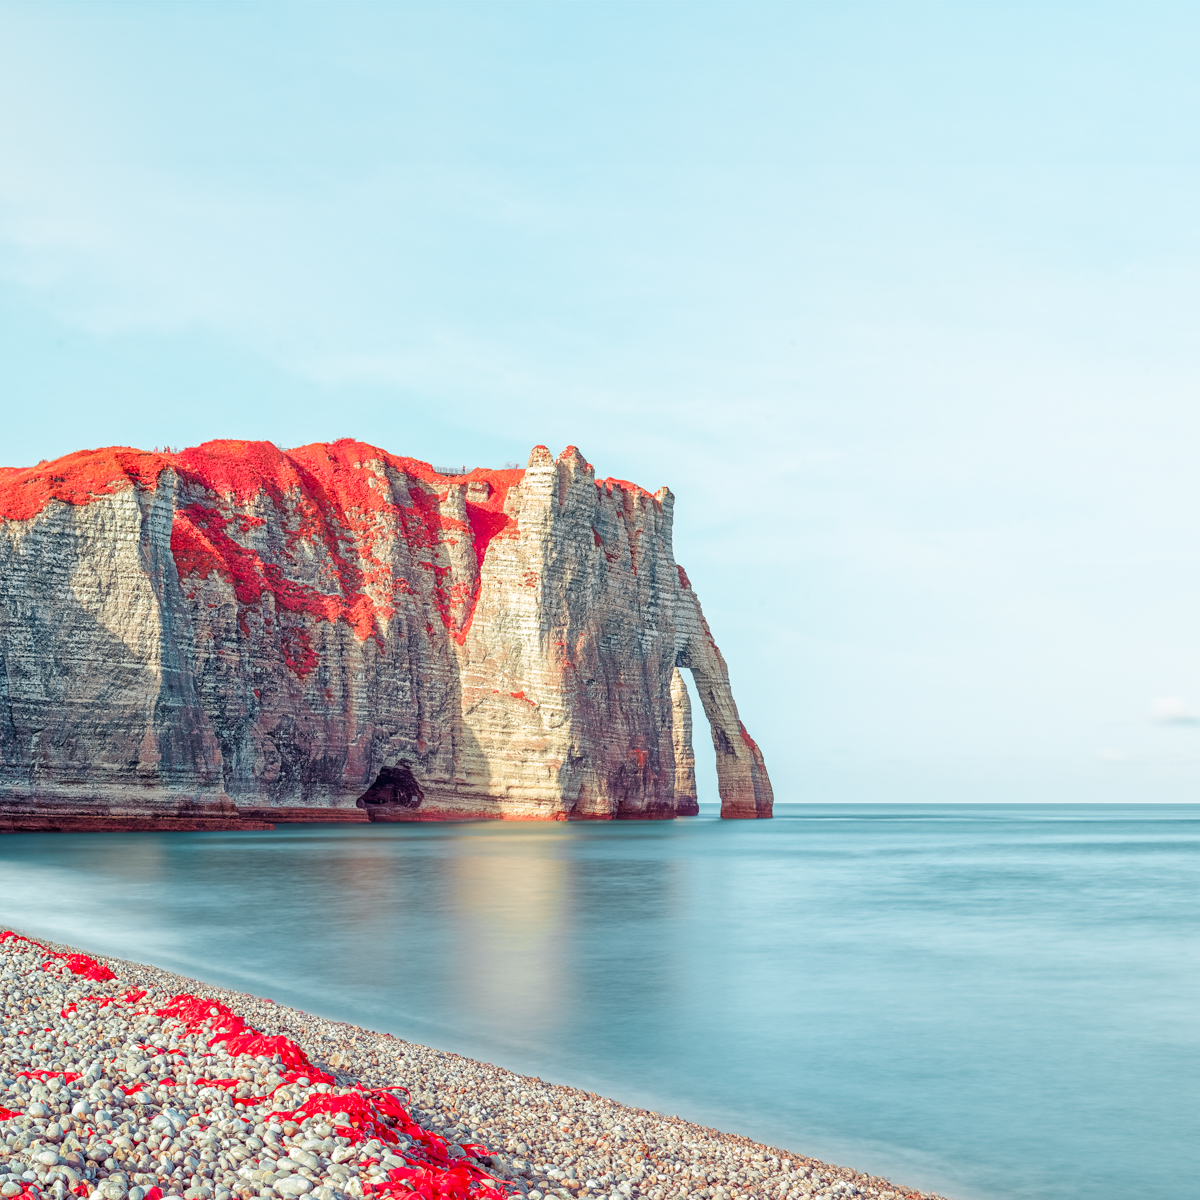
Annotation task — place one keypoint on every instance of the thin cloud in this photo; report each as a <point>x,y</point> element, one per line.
<point>1173,710</point>
<point>1117,756</point>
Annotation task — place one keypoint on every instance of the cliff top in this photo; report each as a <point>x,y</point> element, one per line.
<point>241,470</point>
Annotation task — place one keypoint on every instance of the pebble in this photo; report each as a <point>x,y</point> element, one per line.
<point>139,1116</point>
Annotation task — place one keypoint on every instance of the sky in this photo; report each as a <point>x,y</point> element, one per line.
<point>899,300</point>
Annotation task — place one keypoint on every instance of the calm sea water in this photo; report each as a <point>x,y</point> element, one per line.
<point>996,1002</point>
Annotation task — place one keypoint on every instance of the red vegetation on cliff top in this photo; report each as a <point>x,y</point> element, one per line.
<point>607,485</point>
<point>329,498</point>
<point>339,505</point>
<point>77,478</point>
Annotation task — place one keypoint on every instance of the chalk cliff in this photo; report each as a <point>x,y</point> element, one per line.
<point>239,626</point>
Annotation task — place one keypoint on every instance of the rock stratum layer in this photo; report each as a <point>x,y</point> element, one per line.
<point>187,635</point>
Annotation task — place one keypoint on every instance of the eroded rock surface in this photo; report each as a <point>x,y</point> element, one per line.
<point>235,626</point>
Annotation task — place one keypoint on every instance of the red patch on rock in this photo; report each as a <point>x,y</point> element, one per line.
<point>335,503</point>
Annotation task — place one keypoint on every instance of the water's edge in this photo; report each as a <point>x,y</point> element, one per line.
<point>356,1052</point>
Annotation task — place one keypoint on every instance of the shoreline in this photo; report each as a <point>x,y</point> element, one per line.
<point>547,1141</point>
<point>29,818</point>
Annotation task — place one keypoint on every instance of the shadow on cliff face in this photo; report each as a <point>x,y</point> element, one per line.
<point>89,722</point>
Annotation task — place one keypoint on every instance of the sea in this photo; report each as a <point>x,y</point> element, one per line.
<point>995,1002</point>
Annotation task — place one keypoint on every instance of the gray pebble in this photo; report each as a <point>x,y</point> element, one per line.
<point>293,1185</point>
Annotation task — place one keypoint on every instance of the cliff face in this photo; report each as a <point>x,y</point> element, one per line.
<point>235,625</point>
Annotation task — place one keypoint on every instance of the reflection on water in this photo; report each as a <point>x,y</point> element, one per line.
<point>996,1002</point>
<point>511,957</point>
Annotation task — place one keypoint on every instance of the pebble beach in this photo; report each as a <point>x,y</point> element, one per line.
<point>120,1081</point>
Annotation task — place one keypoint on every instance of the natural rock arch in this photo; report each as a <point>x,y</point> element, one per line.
<point>741,772</point>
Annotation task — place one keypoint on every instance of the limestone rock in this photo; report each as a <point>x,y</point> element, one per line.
<point>235,625</point>
<point>687,801</point>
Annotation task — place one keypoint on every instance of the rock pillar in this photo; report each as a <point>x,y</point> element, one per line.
<point>686,801</point>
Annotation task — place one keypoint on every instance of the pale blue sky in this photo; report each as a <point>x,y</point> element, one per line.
<point>900,301</point>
